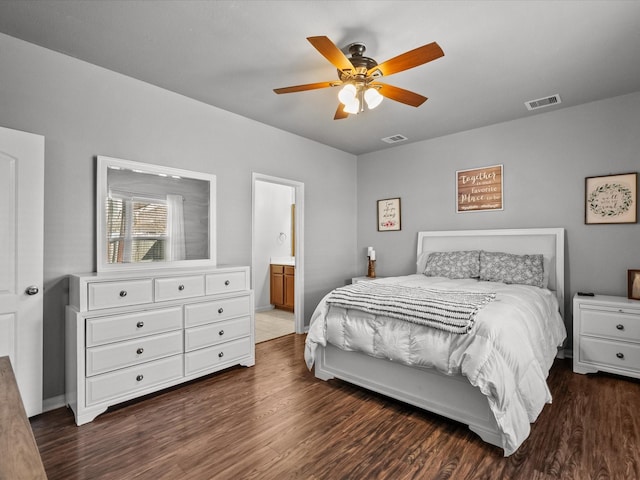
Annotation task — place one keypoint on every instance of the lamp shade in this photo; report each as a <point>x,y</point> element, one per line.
<point>348,94</point>
<point>372,97</point>
<point>353,106</point>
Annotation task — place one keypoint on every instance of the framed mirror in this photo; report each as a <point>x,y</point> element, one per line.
<point>150,216</point>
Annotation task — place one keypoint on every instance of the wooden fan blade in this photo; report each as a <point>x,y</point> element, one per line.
<point>399,94</point>
<point>340,113</point>
<point>410,59</point>
<point>308,86</point>
<point>332,53</point>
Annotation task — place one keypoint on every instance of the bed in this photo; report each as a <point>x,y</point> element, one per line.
<point>488,373</point>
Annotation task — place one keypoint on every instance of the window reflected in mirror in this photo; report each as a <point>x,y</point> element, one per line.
<point>137,230</point>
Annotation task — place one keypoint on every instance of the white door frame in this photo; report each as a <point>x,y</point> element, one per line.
<point>299,233</point>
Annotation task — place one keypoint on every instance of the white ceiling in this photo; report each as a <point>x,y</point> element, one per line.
<point>232,54</point>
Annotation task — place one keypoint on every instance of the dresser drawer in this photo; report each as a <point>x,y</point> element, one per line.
<point>122,293</point>
<point>226,282</point>
<point>173,288</point>
<point>132,352</point>
<point>212,357</point>
<point>609,353</point>
<point>207,312</point>
<point>101,330</point>
<point>214,333</point>
<point>133,379</point>
<point>608,323</point>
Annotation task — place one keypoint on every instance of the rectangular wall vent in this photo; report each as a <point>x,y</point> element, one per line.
<point>543,102</point>
<point>395,138</point>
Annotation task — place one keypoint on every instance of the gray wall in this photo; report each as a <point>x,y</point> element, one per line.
<point>546,158</point>
<point>84,111</point>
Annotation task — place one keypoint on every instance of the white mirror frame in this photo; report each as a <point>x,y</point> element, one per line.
<point>102,189</point>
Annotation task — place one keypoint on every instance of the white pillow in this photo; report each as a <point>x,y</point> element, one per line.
<point>421,264</point>
<point>546,265</point>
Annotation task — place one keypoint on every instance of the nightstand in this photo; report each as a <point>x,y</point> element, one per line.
<point>364,278</point>
<point>606,335</point>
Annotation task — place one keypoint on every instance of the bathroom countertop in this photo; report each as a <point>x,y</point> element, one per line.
<point>283,261</point>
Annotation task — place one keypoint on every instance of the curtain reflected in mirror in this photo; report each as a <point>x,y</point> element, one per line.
<point>175,228</point>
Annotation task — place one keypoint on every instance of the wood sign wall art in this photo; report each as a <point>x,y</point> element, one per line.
<point>389,215</point>
<point>479,189</point>
<point>611,199</point>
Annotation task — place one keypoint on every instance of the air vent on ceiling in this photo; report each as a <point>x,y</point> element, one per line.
<point>543,102</point>
<point>395,138</point>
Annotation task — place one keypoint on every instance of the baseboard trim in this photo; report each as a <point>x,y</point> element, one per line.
<point>264,309</point>
<point>53,403</point>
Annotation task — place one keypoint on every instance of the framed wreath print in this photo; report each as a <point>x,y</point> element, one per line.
<point>388,214</point>
<point>611,199</point>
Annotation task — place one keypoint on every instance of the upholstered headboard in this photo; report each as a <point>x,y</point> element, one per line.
<point>547,241</point>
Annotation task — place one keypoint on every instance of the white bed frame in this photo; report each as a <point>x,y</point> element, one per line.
<point>450,396</point>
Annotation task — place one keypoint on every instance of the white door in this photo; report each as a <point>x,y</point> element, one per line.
<point>21,254</point>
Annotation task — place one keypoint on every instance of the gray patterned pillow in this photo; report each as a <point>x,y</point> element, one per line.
<point>458,264</point>
<point>511,268</point>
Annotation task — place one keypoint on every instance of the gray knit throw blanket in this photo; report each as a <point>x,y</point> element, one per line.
<point>448,310</point>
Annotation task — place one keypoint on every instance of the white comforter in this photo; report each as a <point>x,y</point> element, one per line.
<point>507,355</point>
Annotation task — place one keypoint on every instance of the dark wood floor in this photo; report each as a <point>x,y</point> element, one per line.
<point>276,421</point>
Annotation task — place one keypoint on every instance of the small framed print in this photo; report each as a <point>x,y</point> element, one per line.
<point>389,215</point>
<point>611,199</point>
<point>634,284</point>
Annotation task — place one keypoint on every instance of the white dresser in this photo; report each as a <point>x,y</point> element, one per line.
<point>132,333</point>
<point>606,335</point>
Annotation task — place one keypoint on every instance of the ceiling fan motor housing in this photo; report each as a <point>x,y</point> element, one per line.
<point>360,63</point>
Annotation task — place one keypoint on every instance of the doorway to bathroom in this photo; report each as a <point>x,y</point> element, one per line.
<point>277,256</point>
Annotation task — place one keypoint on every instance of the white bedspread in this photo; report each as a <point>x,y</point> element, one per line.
<point>507,355</point>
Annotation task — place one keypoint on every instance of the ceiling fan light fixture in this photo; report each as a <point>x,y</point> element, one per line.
<point>372,97</point>
<point>357,75</point>
<point>348,94</point>
<point>353,106</point>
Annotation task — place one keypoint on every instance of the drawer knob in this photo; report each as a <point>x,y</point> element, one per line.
<point>139,351</point>
<point>181,287</point>
<point>221,332</point>
<point>221,354</point>
<point>620,326</point>
<point>620,355</point>
<point>220,310</point>
<point>227,283</point>
<point>123,293</point>
<point>140,324</point>
<point>139,378</point>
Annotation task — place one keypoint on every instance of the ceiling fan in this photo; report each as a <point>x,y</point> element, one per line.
<point>359,76</point>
